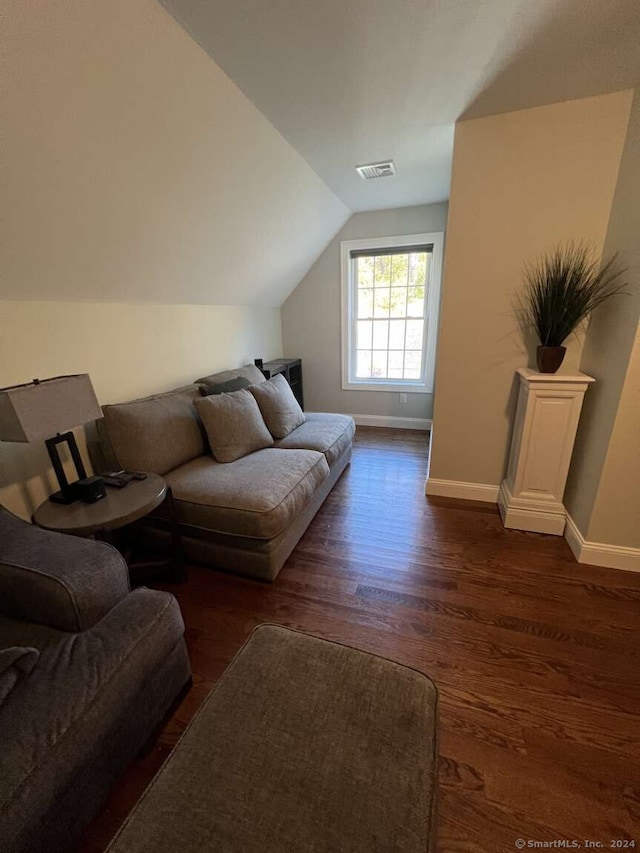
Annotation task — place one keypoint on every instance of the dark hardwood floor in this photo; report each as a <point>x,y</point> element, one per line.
<point>537,658</point>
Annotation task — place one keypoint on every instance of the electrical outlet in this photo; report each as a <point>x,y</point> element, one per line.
<point>403,399</point>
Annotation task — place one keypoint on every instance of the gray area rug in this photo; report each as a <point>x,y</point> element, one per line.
<point>303,745</point>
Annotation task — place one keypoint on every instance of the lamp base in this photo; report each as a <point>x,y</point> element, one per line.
<point>89,490</point>
<point>62,498</point>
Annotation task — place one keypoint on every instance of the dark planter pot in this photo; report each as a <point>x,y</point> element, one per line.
<point>550,358</point>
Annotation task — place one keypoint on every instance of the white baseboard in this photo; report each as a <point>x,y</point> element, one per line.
<point>592,553</point>
<point>393,422</point>
<point>599,554</point>
<point>532,515</point>
<point>532,522</point>
<point>467,491</point>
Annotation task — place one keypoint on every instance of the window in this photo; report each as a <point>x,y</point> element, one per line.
<point>390,299</point>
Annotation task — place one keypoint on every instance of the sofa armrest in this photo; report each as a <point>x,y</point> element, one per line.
<point>57,580</point>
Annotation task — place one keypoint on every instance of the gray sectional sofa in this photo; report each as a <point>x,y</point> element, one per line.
<point>244,516</point>
<point>88,670</point>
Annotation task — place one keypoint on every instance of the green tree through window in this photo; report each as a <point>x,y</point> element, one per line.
<point>391,292</point>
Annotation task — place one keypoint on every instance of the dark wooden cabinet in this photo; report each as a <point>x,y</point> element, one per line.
<point>291,369</point>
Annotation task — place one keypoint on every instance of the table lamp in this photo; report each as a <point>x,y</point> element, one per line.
<point>50,409</point>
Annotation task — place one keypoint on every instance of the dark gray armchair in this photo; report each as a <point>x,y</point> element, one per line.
<point>87,671</point>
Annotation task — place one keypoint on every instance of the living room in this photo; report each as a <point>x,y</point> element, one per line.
<point>182,199</point>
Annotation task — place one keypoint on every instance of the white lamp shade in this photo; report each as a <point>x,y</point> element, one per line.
<point>40,410</point>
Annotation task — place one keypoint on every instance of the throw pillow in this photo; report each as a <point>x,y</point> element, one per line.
<point>15,663</point>
<point>280,409</point>
<point>209,388</point>
<point>233,424</point>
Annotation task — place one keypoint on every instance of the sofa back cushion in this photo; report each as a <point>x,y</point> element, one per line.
<point>280,409</point>
<point>154,434</point>
<point>237,384</point>
<point>249,372</point>
<point>234,425</point>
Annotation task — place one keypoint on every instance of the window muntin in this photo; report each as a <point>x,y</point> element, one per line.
<point>390,312</point>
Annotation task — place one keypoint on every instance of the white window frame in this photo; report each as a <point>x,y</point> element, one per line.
<point>349,319</point>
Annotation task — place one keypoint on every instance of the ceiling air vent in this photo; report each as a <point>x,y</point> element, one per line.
<point>376,170</point>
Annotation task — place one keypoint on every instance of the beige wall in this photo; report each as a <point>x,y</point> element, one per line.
<point>128,350</point>
<point>139,171</point>
<point>522,182</point>
<point>616,512</point>
<point>311,320</point>
<point>603,490</point>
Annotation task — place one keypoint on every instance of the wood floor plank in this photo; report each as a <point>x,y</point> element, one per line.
<point>536,657</point>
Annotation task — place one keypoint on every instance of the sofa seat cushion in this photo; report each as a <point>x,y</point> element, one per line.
<point>16,632</point>
<point>154,434</point>
<point>255,496</point>
<point>326,433</point>
<point>16,662</point>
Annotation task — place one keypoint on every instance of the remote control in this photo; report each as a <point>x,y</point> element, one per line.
<point>119,479</point>
<point>114,481</point>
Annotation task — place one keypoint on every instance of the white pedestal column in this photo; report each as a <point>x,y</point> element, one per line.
<point>545,428</point>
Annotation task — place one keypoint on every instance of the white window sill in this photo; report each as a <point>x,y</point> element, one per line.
<point>391,386</point>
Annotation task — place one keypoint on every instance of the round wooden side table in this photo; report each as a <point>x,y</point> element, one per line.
<point>118,509</point>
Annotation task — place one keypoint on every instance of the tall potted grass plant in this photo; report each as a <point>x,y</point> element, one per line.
<point>562,289</point>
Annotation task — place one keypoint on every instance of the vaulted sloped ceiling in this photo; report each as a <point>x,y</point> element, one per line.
<point>138,171</point>
<point>355,81</point>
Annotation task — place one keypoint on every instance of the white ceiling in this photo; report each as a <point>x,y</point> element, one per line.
<point>354,81</point>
